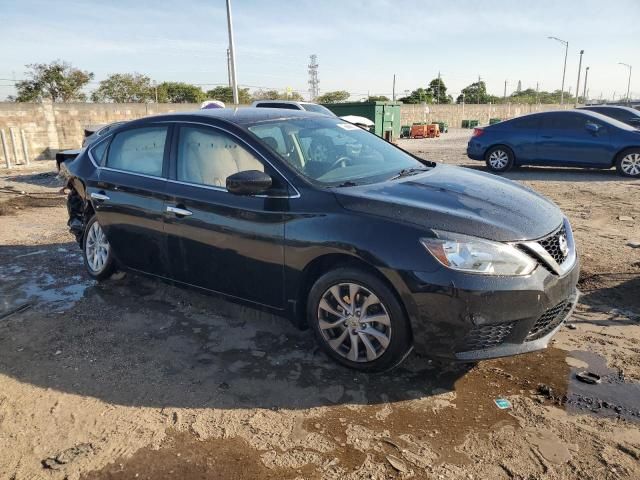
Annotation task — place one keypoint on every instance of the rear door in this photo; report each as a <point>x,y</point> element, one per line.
<point>563,139</point>
<point>223,242</point>
<point>129,197</point>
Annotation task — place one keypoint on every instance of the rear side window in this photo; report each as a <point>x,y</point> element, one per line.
<point>140,150</point>
<point>526,122</point>
<point>97,152</point>
<point>565,121</point>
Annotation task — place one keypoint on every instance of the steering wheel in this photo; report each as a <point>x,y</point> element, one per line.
<point>342,160</point>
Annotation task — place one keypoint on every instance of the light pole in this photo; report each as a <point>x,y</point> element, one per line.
<point>578,82</point>
<point>628,81</point>
<point>584,92</point>
<point>564,69</point>
<point>232,55</point>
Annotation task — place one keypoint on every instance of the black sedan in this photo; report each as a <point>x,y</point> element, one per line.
<point>374,249</point>
<point>627,115</point>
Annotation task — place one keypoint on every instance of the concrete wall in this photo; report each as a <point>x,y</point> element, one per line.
<point>49,127</point>
<point>454,114</point>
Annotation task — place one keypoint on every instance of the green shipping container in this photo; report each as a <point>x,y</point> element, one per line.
<point>385,115</point>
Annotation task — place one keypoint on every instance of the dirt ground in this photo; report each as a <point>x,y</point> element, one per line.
<point>133,378</point>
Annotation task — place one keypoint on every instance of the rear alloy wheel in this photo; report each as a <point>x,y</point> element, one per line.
<point>499,159</point>
<point>96,250</point>
<point>358,320</point>
<point>628,163</point>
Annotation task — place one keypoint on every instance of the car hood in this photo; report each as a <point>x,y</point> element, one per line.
<point>459,200</point>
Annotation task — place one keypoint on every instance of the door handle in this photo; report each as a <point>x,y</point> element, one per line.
<point>179,211</point>
<point>99,196</point>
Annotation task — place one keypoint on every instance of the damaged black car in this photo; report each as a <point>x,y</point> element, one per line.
<point>308,216</point>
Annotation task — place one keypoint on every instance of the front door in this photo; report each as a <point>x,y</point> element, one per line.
<point>564,139</point>
<point>129,198</point>
<point>217,240</point>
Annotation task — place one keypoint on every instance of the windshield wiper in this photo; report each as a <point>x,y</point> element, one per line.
<point>405,172</point>
<point>348,183</point>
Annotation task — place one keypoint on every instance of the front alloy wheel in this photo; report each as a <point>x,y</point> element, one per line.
<point>629,163</point>
<point>358,320</point>
<point>354,322</point>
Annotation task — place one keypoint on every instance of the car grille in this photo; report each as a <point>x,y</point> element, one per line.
<point>549,320</point>
<point>486,336</point>
<point>552,245</point>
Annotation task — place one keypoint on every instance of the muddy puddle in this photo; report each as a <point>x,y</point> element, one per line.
<point>613,396</point>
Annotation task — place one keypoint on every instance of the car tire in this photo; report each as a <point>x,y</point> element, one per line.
<point>499,159</point>
<point>380,344</point>
<point>96,251</point>
<point>628,163</point>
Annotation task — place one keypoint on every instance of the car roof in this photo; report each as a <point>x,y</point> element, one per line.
<point>616,107</point>
<point>239,116</point>
<point>588,113</point>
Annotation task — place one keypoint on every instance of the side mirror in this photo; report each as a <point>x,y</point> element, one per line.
<point>248,182</point>
<point>592,128</point>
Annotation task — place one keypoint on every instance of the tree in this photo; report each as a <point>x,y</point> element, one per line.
<point>333,97</point>
<point>419,95</point>
<point>124,88</point>
<point>57,81</point>
<point>476,93</point>
<point>225,94</point>
<point>275,95</point>
<point>377,98</point>
<point>180,92</point>
<point>438,91</point>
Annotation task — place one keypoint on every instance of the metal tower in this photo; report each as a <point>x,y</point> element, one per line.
<point>313,78</point>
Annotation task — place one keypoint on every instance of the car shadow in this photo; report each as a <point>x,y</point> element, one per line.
<point>559,174</point>
<point>142,342</point>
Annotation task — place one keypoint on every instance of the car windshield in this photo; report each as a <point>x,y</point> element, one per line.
<point>312,107</point>
<point>332,152</point>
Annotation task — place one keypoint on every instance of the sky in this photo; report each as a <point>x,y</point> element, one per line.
<point>360,44</point>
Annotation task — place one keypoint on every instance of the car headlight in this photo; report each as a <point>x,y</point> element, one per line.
<point>477,255</point>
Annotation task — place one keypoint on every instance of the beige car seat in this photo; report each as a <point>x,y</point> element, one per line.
<point>209,158</point>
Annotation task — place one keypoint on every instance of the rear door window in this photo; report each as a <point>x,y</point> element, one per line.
<point>287,106</point>
<point>139,150</point>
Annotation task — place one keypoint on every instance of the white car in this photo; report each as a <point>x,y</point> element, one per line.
<point>361,122</point>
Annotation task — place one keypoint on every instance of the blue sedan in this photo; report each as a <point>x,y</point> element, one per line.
<point>575,138</point>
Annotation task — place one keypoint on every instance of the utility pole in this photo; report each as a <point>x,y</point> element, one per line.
<point>232,56</point>
<point>504,95</point>
<point>438,94</point>
<point>564,69</point>
<point>537,92</point>
<point>628,81</point>
<point>478,90</point>
<point>578,81</point>
<point>393,94</point>
<point>584,91</point>
<point>229,67</point>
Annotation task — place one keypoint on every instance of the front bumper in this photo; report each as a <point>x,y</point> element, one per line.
<point>473,317</point>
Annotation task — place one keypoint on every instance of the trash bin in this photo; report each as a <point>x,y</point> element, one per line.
<point>444,127</point>
<point>494,120</point>
<point>405,131</point>
<point>385,115</point>
<point>470,123</point>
